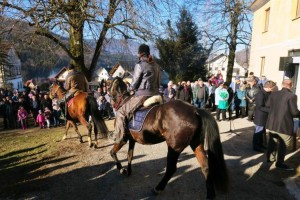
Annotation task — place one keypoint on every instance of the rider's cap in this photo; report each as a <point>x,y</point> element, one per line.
<point>144,49</point>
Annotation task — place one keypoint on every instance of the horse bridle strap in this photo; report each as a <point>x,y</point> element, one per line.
<point>121,101</point>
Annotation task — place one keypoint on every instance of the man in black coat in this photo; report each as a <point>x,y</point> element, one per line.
<point>261,116</point>
<point>283,108</point>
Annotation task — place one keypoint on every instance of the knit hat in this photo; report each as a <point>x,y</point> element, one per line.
<point>144,49</point>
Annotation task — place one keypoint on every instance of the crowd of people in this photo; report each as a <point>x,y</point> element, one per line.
<point>16,108</point>
<point>217,95</point>
<point>250,99</point>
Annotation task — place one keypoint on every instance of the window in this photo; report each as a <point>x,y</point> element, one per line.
<point>298,9</point>
<point>262,65</point>
<point>267,19</point>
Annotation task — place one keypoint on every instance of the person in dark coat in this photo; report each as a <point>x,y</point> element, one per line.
<point>261,116</point>
<point>184,92</point>
<point>283,108</point>
<point>250,96</point>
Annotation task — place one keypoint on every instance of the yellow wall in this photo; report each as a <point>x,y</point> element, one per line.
<point>283,35</point>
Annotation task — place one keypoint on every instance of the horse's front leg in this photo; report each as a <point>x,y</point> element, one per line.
<point>130,155</point>
<point>113,153</point>
<point>68,124</point>
<point>172,159</point>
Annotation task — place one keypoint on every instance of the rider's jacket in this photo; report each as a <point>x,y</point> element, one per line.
<point>76,81</point>
<point>146,78</point>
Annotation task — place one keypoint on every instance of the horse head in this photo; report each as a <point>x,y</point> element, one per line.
<point>55,90</point>
<point>117,92</point>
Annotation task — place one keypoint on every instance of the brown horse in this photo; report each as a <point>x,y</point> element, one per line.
<point>179,125</point>
<point>82,107</point>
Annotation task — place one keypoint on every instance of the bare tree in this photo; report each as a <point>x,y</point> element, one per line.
<point>75,21</point>
<point>228,24</point>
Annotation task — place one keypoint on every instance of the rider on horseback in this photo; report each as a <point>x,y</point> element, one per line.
<point>75,81</point>
<point>145,83</point>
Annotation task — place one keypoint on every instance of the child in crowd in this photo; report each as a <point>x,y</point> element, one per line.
<point>47,114</point>
<point>241,101</point>
<point>22,116</point>
<point>40,119</point>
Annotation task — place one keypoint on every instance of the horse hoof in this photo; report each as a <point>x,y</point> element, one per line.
<point>64,138</point>
<point>123,172</point>
<point>155,191</point>
<point>81,141</point>
<point>95,146</point>
<point>91,145</point>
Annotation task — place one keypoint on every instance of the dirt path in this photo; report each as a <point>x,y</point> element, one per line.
<point>82,173</point>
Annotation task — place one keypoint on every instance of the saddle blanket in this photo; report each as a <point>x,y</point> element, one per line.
<point>70,102</point>
<point>136,123</point>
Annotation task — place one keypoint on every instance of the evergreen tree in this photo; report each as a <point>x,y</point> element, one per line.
<point>181,54</point>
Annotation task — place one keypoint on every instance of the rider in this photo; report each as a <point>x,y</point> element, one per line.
<point>75,81</point>
<point>145,83</point>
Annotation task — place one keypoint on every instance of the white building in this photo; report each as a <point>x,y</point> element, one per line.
<point>10,73</point>
<point>220,62</point>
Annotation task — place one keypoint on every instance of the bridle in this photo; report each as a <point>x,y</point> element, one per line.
<point>55,92</point>
<point>121,99</point>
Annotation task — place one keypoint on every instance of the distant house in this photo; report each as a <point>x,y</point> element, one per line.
<point>61,75</point>
<point>102,74</point>
<point>10,73</point>
<point>119,69</point>
<point>220,62</point>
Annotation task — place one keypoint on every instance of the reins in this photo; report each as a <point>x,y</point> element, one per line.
<point>121,100</point>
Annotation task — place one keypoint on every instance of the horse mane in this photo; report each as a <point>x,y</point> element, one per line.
<point>118,85</point>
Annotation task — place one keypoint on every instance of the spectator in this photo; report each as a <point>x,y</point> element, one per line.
<point>283,108</point>
<point>170,92</point>
<point>184,92</point>
<point>250,96</point>
<point>34,107</point>
<point>11,112</point>
<point>56,111</point>
<point>104,107</point>
<point>46,102</point>
<point>240,102</point>
<point>223,102</point>
<point>41,119</point>
<point>261,116</point>
<point>22,117</point>
<point>200,94</point>
<point>47,114</point>
<point>98,93</point>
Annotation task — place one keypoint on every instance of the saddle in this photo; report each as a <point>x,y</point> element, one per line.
<point>139,116</point>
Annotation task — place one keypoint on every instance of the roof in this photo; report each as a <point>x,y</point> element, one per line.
<point>257,4</point>
<point>60,72</point>
<point>214,58</point>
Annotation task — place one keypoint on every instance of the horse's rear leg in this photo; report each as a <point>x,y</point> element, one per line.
<point>113,153</point>
<point>203,161</point>
<point>96,136</point>
<point>89,128</point>
<point>171,169</point>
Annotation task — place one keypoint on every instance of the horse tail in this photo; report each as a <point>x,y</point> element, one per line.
<point>96,115</point>
<point>216,163</point>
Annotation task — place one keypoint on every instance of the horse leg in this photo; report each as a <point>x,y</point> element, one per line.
<point>89,128</point>
<point>96,136</point>
<point>113,153</point>
<point>130,155</point>
<point>66,130</point>
<point>172,159</point>
<point>202,159</point>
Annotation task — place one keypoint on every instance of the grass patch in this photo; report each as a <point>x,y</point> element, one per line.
<point>22,153</point>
